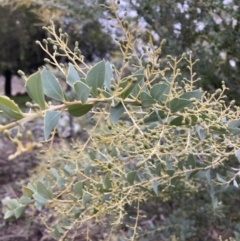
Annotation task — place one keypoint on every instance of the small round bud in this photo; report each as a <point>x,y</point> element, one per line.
<point>21,73</point>
<point>19,136</point>
<point>6,133</point>
<point>163,42</point>
<point>46,60</point>
<point>38,42</point>
<point>45,41</point>
<point>29,104</point>
<point>55,47</point>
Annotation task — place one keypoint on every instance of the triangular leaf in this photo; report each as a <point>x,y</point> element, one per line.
<point>82,91</point>
<point>116,112</point>
<point>95,77</point>
<point>10,108</point>
<point>72,75</point>
<point>77,110</point>
<point>51,86</point>
<point>34,88</point>
<point>51,119</point>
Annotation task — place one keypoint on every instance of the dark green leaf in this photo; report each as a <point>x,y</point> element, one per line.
<point>82,91</point>
<point>77,110</point>
<point>208,176</point>
<point>10,108</point>
<point>51,119</point>
<point>107,181</point>
<point>218,130</point>
<point>51,86</point>
<point>139,75</point>
<point>170,172</point>
<point>140,86</point>
<point>72,197</point>
<point>159,91</point>
<point>44,191</point>
<point>56,233</point>
<point>95,77</point>
<point>191,174</point>
<point>72,75</point>
<point>116,112</point>
<point>131,177</point>
<point>197,94</point>
<point>152,117</point>
<point>78,188</point>
<point>86,199</point>
<point>221,178</point>
<point>34,88</point>
<point>158,169</point>
<point>146,99</point>
<point>178,121</point>
<point>108,76</point>
<point>89,170</point>
<point>178,104</point>
<point>191,161</point>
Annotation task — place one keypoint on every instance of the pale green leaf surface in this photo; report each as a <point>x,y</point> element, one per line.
<point>34,88</point>
<point>51,119</point>
<point>51,86</point>
<point>95,77</point>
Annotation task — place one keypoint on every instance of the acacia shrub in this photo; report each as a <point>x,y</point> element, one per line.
<point>156,137</point>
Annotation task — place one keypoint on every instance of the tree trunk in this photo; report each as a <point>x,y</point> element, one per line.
<point>8,82</point>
